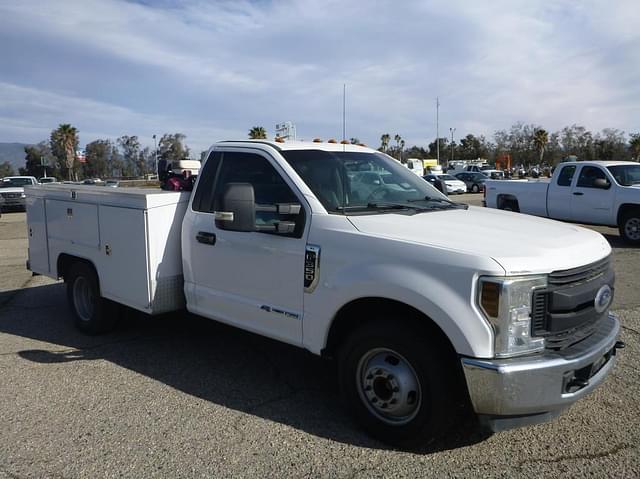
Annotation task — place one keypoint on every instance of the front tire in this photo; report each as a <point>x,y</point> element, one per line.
<point>475,189</point>
<point>92,313</point>
<point>399,385</point>
<point>629,227</point>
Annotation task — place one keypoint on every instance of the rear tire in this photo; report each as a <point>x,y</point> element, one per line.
<point>629,227</point>
<point>92,313</point>
<point>399,384</point>
<point>475,189</point>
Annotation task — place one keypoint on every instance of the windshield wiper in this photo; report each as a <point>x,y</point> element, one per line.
<point>377,206</point>
<point>448,203</point>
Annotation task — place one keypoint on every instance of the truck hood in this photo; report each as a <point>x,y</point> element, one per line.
<point>521,244</point>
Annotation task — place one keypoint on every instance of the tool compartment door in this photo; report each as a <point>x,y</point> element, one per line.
<point>124,266</point>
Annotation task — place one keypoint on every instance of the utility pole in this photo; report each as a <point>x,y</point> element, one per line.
<point>438,129</point>
<point>452,130</point>
<point>155,142</point>
<point>344,117</point>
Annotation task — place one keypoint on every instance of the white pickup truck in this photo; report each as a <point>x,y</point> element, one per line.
<point>590,192</point>
<point>292,241</point>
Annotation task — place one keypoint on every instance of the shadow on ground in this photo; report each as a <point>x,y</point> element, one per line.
<point>218,363</point>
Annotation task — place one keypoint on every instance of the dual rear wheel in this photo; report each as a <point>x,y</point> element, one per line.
<point>92,313</point>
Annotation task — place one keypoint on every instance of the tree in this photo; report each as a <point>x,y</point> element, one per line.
<point>171,147</point>
<point>540,139</point>
<point>130,149</point>
<point>610,145</point>
<point>98,164</point>
<point>64,143</point>
<point>258,133</point>
<point>634,145</point>
<point>6,169</point>
<point>472,147</point>
<point>33,160</point>
<point>384,142</point>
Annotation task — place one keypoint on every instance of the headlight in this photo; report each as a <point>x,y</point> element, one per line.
<point>23,195</point>
<point>506,303</point>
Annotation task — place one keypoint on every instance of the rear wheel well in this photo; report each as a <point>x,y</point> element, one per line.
<point>359,312</point>
<point>509,202</point>
<point>66,261</point>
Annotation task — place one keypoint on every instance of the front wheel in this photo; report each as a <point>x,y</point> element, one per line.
<point>629,227</point>
<point>397,384</point>
<point>92,313</point>
<point>475,189</point>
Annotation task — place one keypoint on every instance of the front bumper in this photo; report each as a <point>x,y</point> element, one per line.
<point>508,393</point>
<point>13,202</point>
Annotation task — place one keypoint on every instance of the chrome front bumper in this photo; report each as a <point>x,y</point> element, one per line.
<point>508,393</point>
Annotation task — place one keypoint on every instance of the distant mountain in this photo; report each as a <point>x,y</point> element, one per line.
<point>14,154</point>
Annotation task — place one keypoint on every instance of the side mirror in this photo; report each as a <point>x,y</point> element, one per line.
<point>238,209</point>
<point>601,183</point>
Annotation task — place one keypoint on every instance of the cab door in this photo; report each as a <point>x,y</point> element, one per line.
<point>560,194</point>
<point>254,280</point>
<point>593,200</point>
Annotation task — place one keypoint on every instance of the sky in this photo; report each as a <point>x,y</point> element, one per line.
<point>214,69</point>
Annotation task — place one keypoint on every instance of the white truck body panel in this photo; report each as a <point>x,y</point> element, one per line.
<point>131,236</point>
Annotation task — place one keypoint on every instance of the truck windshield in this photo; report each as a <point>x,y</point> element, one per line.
<point>352,182</point>
<point>13,182</point>
<point>626,175</point>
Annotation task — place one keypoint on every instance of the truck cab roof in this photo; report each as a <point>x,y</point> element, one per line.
<point>296,145</point>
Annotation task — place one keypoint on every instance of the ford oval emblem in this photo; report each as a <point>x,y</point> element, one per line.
<point>603,298</point>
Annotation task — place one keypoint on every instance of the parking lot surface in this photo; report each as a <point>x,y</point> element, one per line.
<point>181,396</point>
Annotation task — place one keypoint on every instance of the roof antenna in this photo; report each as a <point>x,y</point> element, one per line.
<point>344,123</point>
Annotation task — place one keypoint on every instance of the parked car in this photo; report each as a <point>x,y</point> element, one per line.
<point>92,181</point>
<point>47,179</point>
<point>12,191</point>
<point>474,181</point>
<point>596,192</point>
<point>494,174</point>
<point>452,184</point>
<point>112,183</point>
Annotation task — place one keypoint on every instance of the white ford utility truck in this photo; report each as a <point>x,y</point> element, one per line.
<point>591,192</point>
<point>291,241</point>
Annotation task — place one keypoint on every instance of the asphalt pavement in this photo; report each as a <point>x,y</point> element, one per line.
<point>181,396</point>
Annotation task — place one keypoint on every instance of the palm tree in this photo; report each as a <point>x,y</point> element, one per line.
<point>540,139</point>
<point>65,138</point>
<point>258,133</point>
<point>384,142</point>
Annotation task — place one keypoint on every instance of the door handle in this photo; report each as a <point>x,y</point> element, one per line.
<point>206,238</point>
<point>578,193</point>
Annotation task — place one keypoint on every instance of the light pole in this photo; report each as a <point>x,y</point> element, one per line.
<point>438,129</point>
<point>155,142</point>
<point>452,130</point>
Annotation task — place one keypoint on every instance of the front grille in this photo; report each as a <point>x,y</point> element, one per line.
<point>564,313</point>
<point>571,277</point>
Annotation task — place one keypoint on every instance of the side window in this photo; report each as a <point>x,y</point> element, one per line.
<point>269,187</point>
<point>588,175</point>
<point>566,175</point>
<point>203,197</point>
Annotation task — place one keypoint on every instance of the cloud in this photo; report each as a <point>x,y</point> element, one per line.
<point>215,69</point>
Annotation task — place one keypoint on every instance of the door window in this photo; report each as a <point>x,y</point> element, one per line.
<point>269,187</point>
<point>566,175</point>
<point>588,175</point>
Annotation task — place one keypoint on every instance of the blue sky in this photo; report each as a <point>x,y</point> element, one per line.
<point>212,70</point>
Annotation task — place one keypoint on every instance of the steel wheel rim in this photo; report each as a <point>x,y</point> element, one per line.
<point>632,228</point>
<point>83,298</point>
<point>389,386</point>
